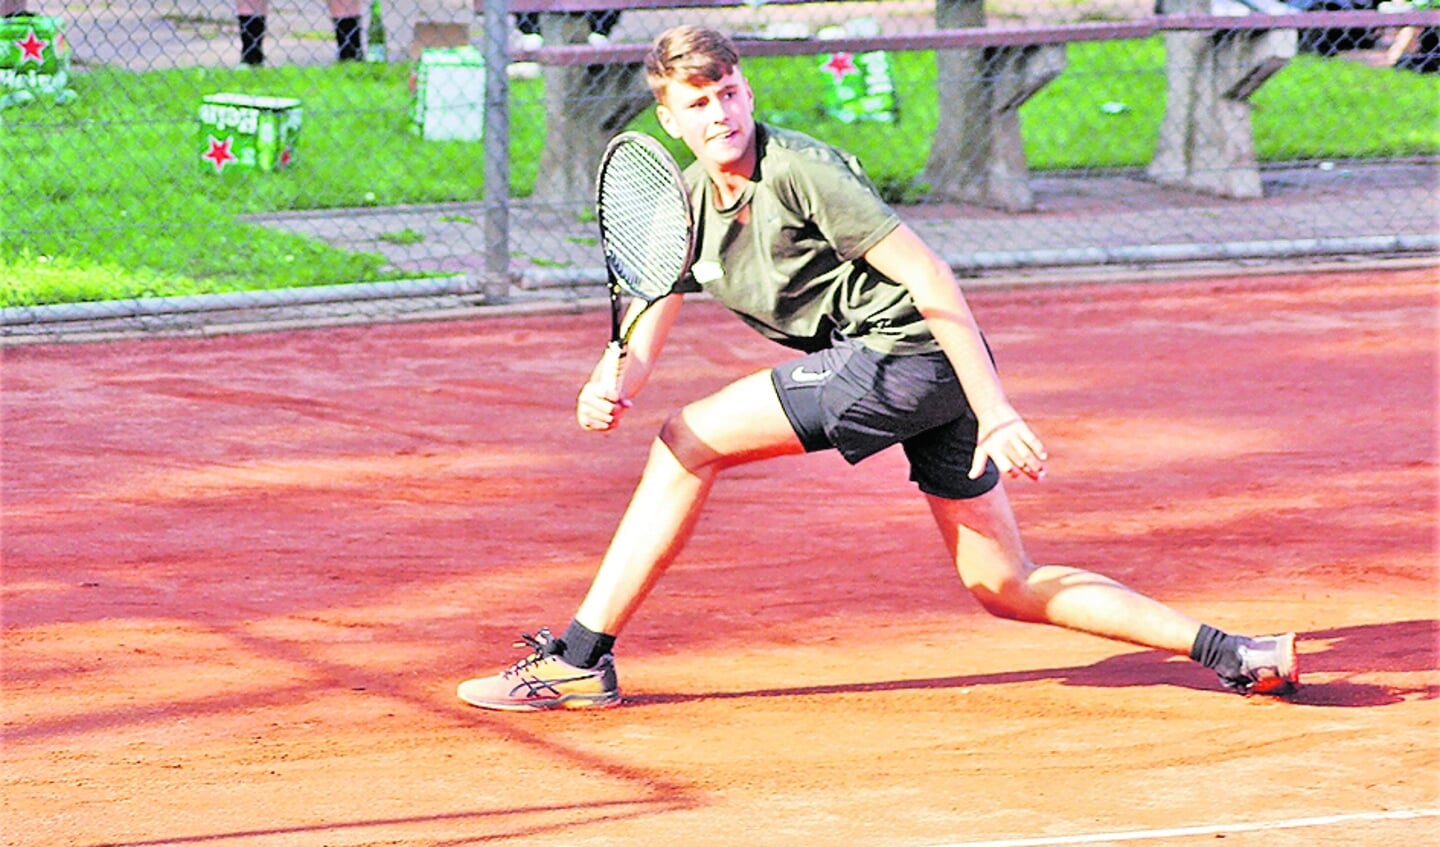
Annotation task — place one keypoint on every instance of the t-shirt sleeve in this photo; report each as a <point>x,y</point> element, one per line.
<point>842,202</point>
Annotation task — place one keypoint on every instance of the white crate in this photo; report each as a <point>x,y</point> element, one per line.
<point>449,102</point>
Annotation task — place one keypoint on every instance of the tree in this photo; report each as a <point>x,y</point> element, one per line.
<point>585,105</point>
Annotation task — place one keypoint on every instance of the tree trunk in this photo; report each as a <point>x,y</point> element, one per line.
<point>959,147</point>
<point>977,154</point>
<point>585,106</point>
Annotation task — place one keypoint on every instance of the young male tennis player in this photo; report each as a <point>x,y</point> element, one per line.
<point>794,239</point>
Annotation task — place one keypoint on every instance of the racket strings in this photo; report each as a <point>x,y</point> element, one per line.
<point>645,216</point>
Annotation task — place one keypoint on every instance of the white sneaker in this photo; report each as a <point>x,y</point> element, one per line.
<point>543,680</point>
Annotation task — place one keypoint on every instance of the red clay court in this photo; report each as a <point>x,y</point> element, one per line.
<point>243,574</point>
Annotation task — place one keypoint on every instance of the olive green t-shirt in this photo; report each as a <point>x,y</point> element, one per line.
<point>787,257</point>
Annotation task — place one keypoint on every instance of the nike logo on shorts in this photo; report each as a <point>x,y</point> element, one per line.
<point>802,375</point>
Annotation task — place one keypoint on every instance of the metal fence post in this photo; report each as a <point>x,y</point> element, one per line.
<point>496,285</point>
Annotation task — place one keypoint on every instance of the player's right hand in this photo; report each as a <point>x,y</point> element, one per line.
<point>599,407</point>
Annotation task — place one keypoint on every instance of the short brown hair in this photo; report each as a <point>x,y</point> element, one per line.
<point>689,54</point>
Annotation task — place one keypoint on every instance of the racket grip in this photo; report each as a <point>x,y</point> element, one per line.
<point>612,367</point>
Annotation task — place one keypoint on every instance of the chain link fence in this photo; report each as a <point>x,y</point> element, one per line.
<point>175,164</point>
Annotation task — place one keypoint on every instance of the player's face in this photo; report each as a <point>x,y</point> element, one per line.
<point>715,120</point>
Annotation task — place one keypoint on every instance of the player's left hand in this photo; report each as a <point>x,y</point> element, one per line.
<point>1014,448</point>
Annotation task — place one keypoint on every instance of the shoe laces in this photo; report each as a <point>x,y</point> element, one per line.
<point>543,646</point>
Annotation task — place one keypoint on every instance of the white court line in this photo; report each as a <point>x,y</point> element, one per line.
<point>1223,829</point>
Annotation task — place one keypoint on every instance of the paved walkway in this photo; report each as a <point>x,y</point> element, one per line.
<point>1079,220</point>
<point>141,35</point>
<point>152,34</point>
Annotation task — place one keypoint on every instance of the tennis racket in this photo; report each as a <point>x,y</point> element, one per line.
<point>647,232</point>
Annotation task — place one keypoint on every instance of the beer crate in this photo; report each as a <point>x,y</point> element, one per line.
<point>34,59</point>
<point>861,88</point>
<point>247,132</point>
<point>449,98</point>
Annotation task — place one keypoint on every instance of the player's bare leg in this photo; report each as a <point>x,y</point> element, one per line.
<point>741,423</point>
<point>984,542</point>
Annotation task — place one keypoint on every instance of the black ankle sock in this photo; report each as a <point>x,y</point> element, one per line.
<point>252,39</point>
<point>348,44</point>
<point>1217,651</point>
<point>584,647</point>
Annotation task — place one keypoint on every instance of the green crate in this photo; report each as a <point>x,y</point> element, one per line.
<point>249,133</point>
<point>860,88</point>
<point>34,60</point>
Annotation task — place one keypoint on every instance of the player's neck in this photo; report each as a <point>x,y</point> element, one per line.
<point>728,190</point>
<point>732,178</point>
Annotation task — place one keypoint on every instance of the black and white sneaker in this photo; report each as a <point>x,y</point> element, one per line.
<point>1268,665</point>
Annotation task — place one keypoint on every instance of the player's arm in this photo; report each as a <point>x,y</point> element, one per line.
<point>597,408</point>
<point>1004,436</point>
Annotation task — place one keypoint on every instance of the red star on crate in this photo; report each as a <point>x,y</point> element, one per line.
<point>840,64</point>
<point>32,49</point>
<point>219,153</point>
<point>285,158</point>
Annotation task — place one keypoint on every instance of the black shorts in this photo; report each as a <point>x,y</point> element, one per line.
<point>859,402</point>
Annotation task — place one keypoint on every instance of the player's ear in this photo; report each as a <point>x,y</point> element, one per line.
<point>667,120</point>
<point>749,92</point>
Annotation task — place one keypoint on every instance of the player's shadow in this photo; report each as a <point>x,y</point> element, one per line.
<point>1339,655</point>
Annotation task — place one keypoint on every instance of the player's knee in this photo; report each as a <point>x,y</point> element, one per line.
<point>1010,599</point>
<point>682,442</point>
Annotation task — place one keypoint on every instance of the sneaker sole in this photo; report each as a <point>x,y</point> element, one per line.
<point>1288,678</point>
<point>569,701</point>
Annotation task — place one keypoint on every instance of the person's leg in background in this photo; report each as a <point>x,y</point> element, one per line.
<point>345,14</point>
<point>529,26</point>
<point>349,43</point>
<point>601,25</point>
<point>250,14</point>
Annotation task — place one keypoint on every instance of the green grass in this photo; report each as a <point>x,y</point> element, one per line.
<point>107,197</point>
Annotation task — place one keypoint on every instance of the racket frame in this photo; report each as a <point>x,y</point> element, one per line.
<point>615,352</point>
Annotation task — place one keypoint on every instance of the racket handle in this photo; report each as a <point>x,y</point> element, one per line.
<point>612,367</point>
